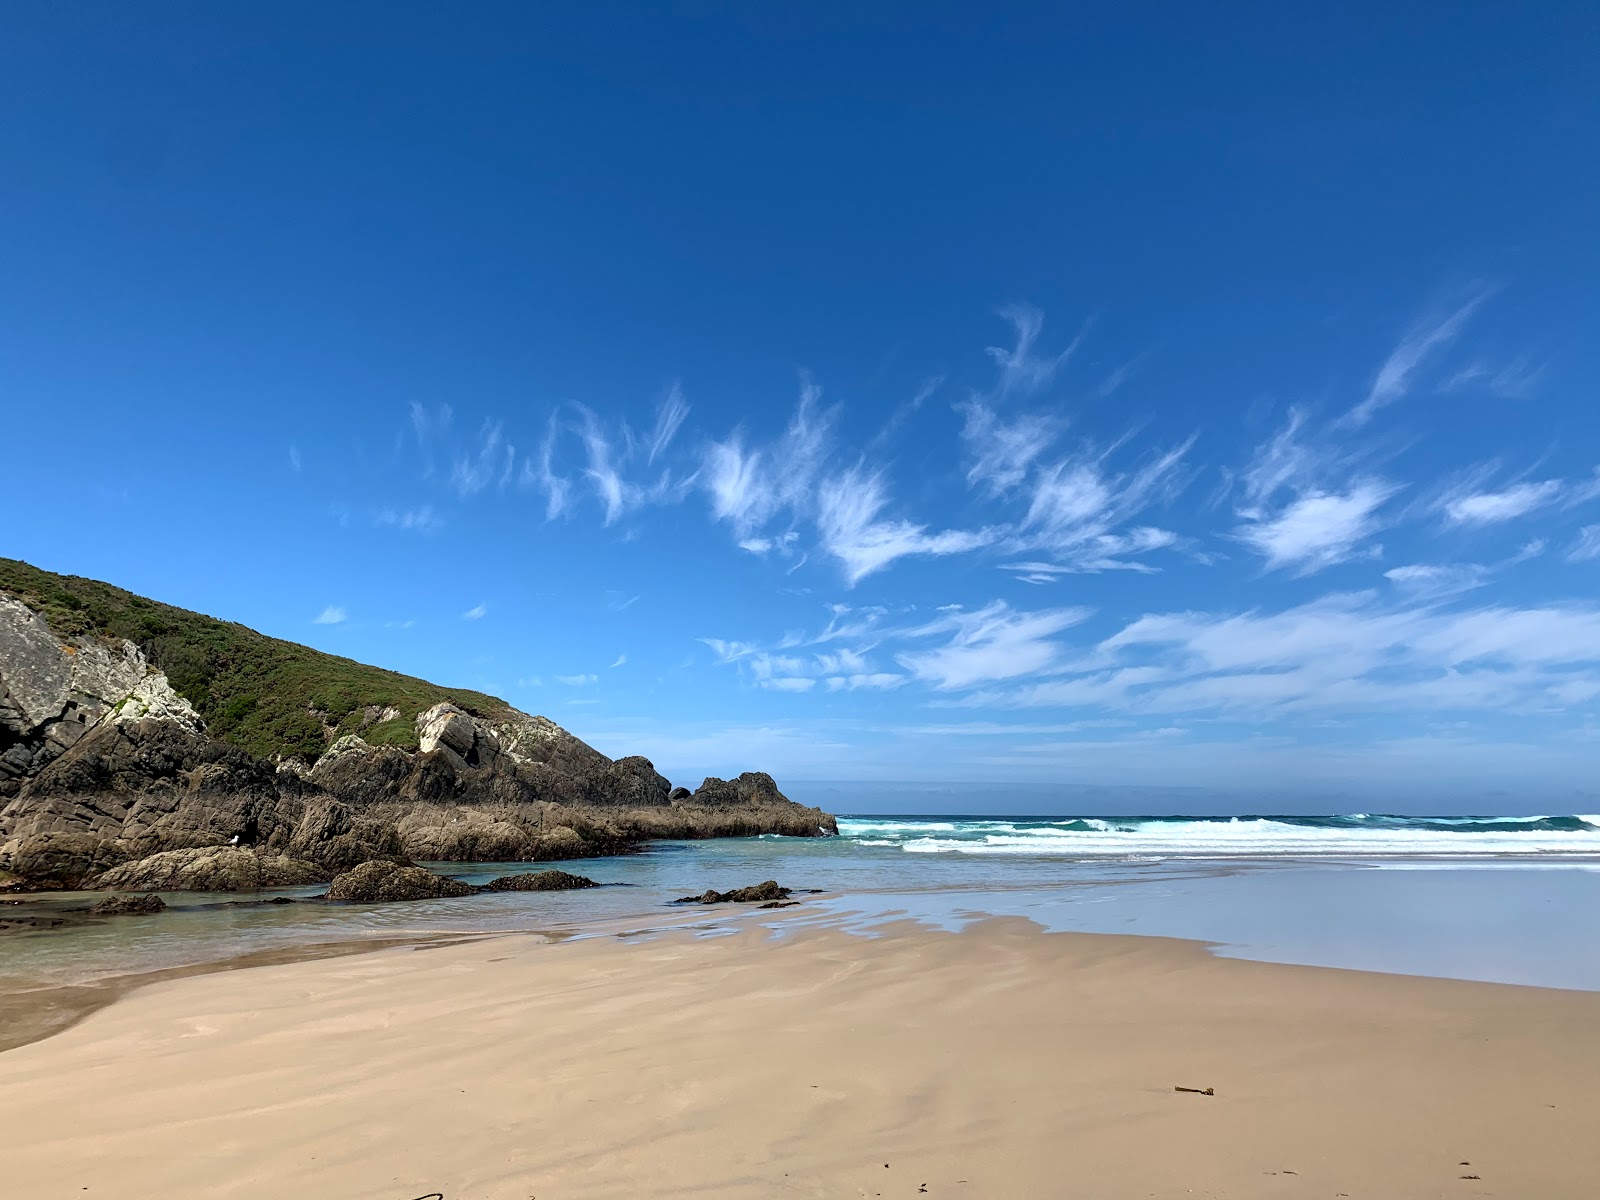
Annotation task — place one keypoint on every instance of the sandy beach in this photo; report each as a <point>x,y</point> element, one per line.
<point>1000,1062</point>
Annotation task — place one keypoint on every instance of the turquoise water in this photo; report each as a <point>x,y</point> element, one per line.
<point>1512,899</point>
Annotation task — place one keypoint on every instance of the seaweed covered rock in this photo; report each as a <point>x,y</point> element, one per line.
<point>540,881</point>
<point>768,891</point>
<point>384,880</point>
<point>129,906</point>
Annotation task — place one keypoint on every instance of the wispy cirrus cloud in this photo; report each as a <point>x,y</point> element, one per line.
<point>1304,502</point>
<point>1428,336</point>
<point>1587,545</point>
<point>990,644</point>
<point>852,528</point>
<point>1001,450</point>
<point>751,485</point>
<point>1471,507</point>
<point>332,615</point>
<point>578,680</point>
<point>476,613</point>
<point>491,461</point>
<point>417,520</point>
<point>1021,371</point>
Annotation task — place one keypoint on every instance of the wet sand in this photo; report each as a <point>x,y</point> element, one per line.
<point>999,1062</point>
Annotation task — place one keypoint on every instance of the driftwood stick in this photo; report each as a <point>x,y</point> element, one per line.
<point>1197,1091</point>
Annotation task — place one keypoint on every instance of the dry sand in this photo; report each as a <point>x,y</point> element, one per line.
<point>998,1063</point>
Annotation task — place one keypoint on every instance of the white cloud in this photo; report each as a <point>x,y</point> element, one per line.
<point>332,615</point>
<point>750,487</point>
<point>1485,508</point>
<point>993,643</point>
<point>783,543</point>
<point>1076,504</point>
<point>1587,545</point>
<point>852,532</point>
<point>789,684</point>
<point>1319,528</point>
<point>1000,451</point>
<point>1393,380</point>
<point>476,613</point>
<point>578,680</point>
<point>621,659</point>
<point>294,458</point>
<point>1428,580</point>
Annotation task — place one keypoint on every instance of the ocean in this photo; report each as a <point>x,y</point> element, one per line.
<point>1502,898</point>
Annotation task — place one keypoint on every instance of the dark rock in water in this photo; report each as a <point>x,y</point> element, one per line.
<point>209,869</point>
<point>749,895</point>
<point>123,906</point>
<point>380,880</point>
<point>540,881</point>
<point>254,903</point>
<point>779,904</point>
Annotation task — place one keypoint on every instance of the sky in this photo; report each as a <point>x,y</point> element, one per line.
<point>1138,397</point>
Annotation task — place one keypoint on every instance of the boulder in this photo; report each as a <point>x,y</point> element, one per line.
<point>209,869</point>
<point>128,906</point>
<point>540,881</point>
<point>761,892</point>
<point>382,880</point>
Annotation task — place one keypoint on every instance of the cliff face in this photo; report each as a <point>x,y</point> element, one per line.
<point>103,763</point>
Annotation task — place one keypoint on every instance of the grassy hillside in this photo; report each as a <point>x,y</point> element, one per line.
<point>266,696</point>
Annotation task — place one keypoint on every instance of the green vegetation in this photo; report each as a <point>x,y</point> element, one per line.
<point>263,695</point>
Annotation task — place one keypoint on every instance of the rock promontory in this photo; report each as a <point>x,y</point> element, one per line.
<point>145,747</point>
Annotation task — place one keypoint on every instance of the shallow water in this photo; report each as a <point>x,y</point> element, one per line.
<point>1513,900</point>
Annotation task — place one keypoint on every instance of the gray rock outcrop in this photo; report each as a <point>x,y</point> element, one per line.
<point>217,869</point>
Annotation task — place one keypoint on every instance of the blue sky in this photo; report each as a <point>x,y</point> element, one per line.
<point>1142,397</point>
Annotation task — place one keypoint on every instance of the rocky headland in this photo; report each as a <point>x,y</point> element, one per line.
<point>144,747</point>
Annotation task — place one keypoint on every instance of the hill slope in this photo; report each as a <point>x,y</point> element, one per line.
<point>270,698</point>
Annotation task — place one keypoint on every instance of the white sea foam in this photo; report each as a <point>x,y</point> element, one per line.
<point>1235,838</point>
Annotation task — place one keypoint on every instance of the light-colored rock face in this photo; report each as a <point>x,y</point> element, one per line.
<point>53,692</point>
<point>459,736</point>
<point>152,698</point>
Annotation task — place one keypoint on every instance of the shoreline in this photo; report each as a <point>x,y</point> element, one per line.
<point>1001,1060</point>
